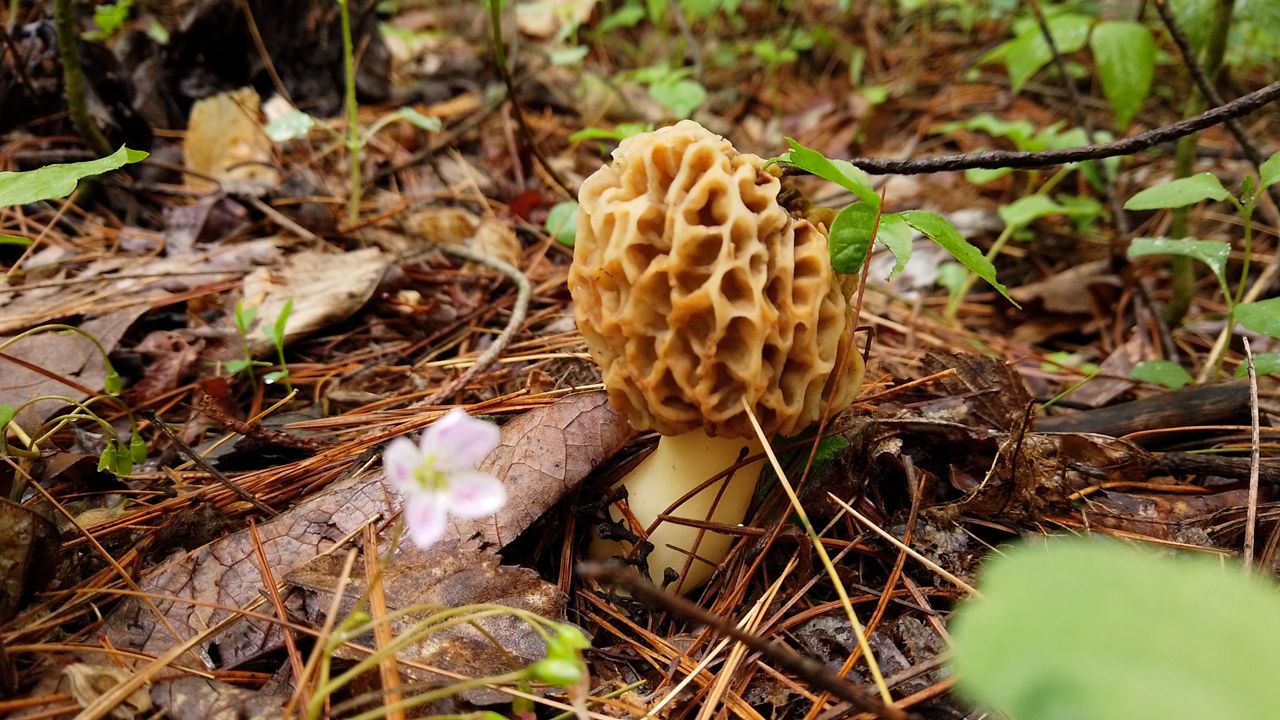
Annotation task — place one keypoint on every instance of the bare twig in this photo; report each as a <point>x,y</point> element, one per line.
<point>518,313</point>
<point>1255,460</point>
<point>805,667</point>
<point>204,465</point>
<point>991,159</point>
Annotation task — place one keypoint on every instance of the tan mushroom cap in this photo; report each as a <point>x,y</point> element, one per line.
<point>695,288</point>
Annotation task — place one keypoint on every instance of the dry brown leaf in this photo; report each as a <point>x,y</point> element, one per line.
<point>62,355</point>
<point>325,288</point>
<point>89,682</point>
<point>194,698</point>
<point>445,577</point>
<point>543,454</point>
<point>28,554</point>
<point>226,145</point>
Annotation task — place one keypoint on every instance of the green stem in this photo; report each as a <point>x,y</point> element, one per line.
<point>353,112</point>
<point>1182,268</point>
<point>73,84</point>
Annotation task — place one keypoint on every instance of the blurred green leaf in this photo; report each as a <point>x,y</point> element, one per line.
<point>896,234</point>
<point>681,97</point>
<point>277,330</point>
<point>290,126</point>
<point>14,240</point>
<point>1125,54</point>
<point>1176,638</point>
<point>1179,193</point>
<point>58,181</point>
<point>137,449</point>
<point>562,222</point>
<point>6,415</point>
<point>1262,316</point>
<point>1270,171</point>
<point>1263,364</point>
<point>112,384</point>
<point>1161,372</point>
<point>420,121</point>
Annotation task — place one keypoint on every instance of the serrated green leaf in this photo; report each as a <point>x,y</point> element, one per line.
<point>1125,54</point>
<point>1270,171</point>
<point>1179,193</point>
<point>562,222</point>
<point>1210,252</point>
<point>850,237</point>
<point>941,231</point>
<point>1131,657</point>
<point>841,172</point>
<point>1161,372</point>
<point>58,181</point>
<point>1262,316</point>
<point>896,234</point>
<point>1026,210</point>
<point>1263,364</point>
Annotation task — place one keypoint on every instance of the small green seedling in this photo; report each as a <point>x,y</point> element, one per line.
<point>244,318</point>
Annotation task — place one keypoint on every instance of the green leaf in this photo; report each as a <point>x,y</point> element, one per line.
<point>841,172</point>
<point>850,237</point>
<point>1270,171</point>
<point>1262,316</point>
<point>562,222</point>
<point>1028,52</point>
<point>6,416</point>
<point>681,97</point>
<point>244,317</point>
<point>625,17</point>
<point>1161,372</point>
<point>568,56</point>
<point>137,449</point>
<point>1263,364</point>
<point>1175,638</point>
<point>941,231</point>
<point>1179,193</point>
<point>59,181</point>
<point>1125,54</point>
<point>420,121</point>
<point>290,126</point>
<point>896,234</point>
<point>275,376</point>
<point>1026,210</point>
<point>1210,252</point>
<point>952,275</point>
<point>621,132</point>
<point>14,240</point>
<point>982,176</point>
<point>237,365</point>
<point>277,330</point>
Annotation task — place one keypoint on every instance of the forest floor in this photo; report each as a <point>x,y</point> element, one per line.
<point>198,515</point>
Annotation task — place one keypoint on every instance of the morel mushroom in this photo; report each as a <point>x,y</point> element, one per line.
<point>695,289</point>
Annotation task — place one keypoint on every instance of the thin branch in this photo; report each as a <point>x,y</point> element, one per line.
<point>1255,455</point>
<point>805,667</point>
<point>991,159</point>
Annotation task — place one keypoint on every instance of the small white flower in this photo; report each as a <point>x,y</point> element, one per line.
<point>438,477</point>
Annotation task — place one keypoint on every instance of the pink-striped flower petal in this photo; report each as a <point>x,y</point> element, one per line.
<point>399,462</point>
<point>459,441</point>
<point>425,517</point>
<point>474,495</point>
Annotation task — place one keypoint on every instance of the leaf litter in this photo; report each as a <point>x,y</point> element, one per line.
<point>948,449</point>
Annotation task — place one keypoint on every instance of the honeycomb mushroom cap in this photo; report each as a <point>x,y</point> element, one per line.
<point>695,288</point>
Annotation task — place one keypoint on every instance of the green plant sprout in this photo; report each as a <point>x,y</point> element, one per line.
<point>1132,634</point>
<point>244,319</point>
<point>117,456</point>
<point>1260,316</point>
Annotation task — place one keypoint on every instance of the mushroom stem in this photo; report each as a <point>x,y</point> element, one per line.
<point>679,464</point>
